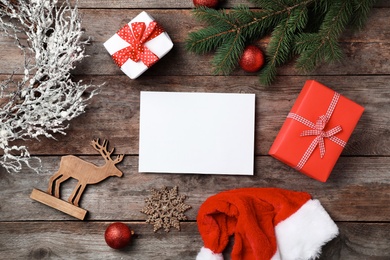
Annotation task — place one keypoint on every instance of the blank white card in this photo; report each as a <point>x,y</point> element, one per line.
<point>205,133</point>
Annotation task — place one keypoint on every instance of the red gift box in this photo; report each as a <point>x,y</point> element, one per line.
<point>316,130</point>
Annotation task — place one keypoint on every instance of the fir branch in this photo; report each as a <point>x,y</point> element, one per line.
<point>280,47</point>
<point>205,40</point>
<point>229,28</point>
<point>227,55</point>
<point>209,38</point>
<point>324,47</point>
<point>308,28</point>
<point>270,5</point>
<point>361,11</point>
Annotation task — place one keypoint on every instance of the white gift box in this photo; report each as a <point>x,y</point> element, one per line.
<point>159,45</point>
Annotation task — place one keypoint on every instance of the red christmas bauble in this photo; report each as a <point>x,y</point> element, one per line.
<point>118,235</point>
<point>207,3</point>
<point>252,59</point>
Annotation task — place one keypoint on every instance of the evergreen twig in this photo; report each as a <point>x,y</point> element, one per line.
<point>309,29</point>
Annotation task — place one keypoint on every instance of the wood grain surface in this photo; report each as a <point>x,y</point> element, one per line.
<point>357,194</point>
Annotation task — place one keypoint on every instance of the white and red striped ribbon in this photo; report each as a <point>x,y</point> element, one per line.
<point>317,130</point>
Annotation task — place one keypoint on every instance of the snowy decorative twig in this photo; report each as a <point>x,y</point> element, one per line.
<point>45,98</point>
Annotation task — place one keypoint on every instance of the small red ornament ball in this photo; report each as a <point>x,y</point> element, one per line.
<point>206,3</point>
<point>118,235</point>
<point>252,59</point>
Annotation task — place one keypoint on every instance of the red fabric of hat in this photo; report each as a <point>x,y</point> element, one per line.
<point>267,223</point>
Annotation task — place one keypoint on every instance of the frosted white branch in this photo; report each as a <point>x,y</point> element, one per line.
<point>46,98</point>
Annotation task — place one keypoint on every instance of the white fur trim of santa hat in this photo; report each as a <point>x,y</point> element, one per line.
<point>302,234</point>
<point>207,254</point>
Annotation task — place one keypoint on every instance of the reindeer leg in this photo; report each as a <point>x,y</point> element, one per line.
<point>52,180</point>
<point>58,183</point>
<point>78,197</point>
<point>74,193</point>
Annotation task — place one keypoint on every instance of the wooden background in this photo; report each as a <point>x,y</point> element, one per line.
<point>357,194</point>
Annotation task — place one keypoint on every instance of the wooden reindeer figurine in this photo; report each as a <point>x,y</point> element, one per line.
<point>85,172</point>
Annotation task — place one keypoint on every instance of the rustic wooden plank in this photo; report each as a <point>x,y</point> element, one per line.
<point>85,240</point>
<point>357,190</point>
<point>356,194</point>
<point>359,241</point>
<point>359,58</point>
<point>114,114</point>
<point>382,3</point>
<point>170,4</point>
<point>100,24</point>
<point>366,52</point>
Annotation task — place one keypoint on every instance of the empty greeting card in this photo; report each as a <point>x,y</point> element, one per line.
<point>206,133</point>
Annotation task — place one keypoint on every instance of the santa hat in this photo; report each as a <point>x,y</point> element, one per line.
<point>267,223</point>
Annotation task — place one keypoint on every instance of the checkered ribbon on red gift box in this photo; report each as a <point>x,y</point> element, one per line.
<point>317,130</point>
<point>137,36</point>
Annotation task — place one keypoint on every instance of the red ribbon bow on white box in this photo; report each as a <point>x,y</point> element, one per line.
<point>137,36</point>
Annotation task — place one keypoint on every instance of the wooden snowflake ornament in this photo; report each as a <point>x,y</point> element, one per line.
<point>165,209</point>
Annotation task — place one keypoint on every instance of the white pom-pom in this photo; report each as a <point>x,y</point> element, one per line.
<point>207,254</point>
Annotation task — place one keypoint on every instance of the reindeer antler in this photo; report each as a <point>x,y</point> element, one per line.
<point>119,158</point>
<point>102,149</point>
